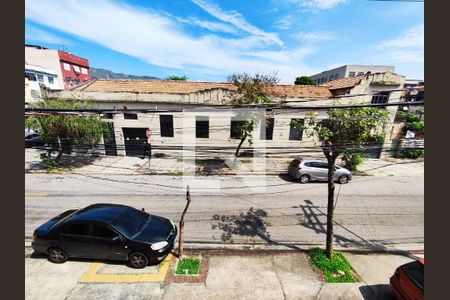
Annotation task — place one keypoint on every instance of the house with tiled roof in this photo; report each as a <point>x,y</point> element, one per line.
<point>200,114</point>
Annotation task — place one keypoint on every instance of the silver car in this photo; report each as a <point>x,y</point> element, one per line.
<point>305,170</point>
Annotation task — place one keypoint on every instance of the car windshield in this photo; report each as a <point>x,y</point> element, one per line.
<point>130,222</point>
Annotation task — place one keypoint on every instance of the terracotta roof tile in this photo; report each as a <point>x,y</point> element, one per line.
<point>187,87</point>
<point>346,82</point>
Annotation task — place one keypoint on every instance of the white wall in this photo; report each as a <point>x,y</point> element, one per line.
<point>46,58</point>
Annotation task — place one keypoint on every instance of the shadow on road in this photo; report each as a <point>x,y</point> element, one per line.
<point>251,224</point>
<point>310,219</point>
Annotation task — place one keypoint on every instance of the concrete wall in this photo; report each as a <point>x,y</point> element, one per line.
<point>46,58</point>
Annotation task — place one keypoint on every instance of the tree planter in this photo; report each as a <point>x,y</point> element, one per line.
<point>172,277</point>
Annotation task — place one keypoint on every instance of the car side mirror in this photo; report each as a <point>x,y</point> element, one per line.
<point>118,238</point>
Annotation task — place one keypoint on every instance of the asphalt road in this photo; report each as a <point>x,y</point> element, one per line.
<point>371,213</point>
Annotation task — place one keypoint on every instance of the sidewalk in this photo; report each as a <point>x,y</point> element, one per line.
<point>228,276</point>
<point>127,165</point>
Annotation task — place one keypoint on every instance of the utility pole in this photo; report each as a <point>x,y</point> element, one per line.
<point>181,241</point>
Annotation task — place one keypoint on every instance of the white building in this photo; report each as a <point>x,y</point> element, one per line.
<point>349,71</point>
<point>39,79</point>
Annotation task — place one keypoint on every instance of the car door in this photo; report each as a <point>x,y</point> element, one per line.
<point>322,170</point>
<point>74,239</point>
<point>106,242</point>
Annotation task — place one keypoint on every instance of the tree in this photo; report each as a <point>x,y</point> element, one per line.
<point>345,131</point>
<point>304,80</point>
<point>250,89</point>
<point>181,237</point>
<point>180,78</point>
<point>71,128</point>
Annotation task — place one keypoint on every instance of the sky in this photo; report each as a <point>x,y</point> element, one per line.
<point>207,40</point>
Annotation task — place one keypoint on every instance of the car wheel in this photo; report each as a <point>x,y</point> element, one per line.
<point>57,256</point>
<point>343,179</point>
<point>137,260</point>
<point>305,178</point>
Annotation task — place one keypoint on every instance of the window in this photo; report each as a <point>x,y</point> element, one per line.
<point>234,128</point>
<point>380,98</point>
<point>267,129</point>
<point>76,69</point>
<point>100,231</point>
<point>68,79</point>
<point>128,116</point>
<point>360,73</point>
<point>166,124</point>
<point>50,79</point>
<point>296,131</point>
<point>40,78</point>
<point>77,229</point>
<point>202,127</point>
<point>107,116</point>
<point>30,76</point>
<point>66,66</point>
<point>352,74</point>
<point>84,71</point>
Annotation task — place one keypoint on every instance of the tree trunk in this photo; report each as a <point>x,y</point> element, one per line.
<point>181,240</point>
<point>331,158</point>
<point>60,151</point>
<point>240,144</point>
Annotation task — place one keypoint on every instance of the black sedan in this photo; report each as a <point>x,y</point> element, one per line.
<point>106,232</point>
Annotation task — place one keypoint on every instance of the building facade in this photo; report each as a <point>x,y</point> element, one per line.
<point>349,71</point>
<point>39,79</point>
<point>72,70</point>
<point>197,115</point>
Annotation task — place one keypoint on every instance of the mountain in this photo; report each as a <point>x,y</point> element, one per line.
<point>107,74</point>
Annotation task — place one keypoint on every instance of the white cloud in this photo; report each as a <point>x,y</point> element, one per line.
<point>211,26</point>
<point>313,4</point>
<point>284,23</point>
<point>237,20</point>
<point>314,36</point>
<point>413,37</point>
<point>35,34</point>
<point>158,40</point>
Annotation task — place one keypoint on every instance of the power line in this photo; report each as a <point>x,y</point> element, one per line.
<point>217,108</point>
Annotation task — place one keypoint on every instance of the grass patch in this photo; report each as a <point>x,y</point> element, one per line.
<point>335,270</point>
<point>188,266</point>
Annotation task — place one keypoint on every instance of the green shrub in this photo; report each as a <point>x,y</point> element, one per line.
<point>352,160</point>
<point>159,155</point>
<point>331,268</point>
<point>412,154</point>
<point>50,164</point>
<point>408,117</point>
<point>417,127</point>
<point>191,264</point>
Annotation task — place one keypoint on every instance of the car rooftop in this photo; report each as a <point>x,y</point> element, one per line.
<point>100,212</point>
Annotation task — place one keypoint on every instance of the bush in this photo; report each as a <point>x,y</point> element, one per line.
<point>352,160</point>
<point>408,117</point>
<point>417,127</point>
<point>412,154</point>
<point>50,164</point>
<point>159,155</point>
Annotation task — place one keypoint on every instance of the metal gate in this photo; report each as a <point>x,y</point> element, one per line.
<point>110,141</point>
<point>135,141</point>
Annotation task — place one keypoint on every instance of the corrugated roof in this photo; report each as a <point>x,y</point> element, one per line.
<point>188,87</point>
<point>346,82</point>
